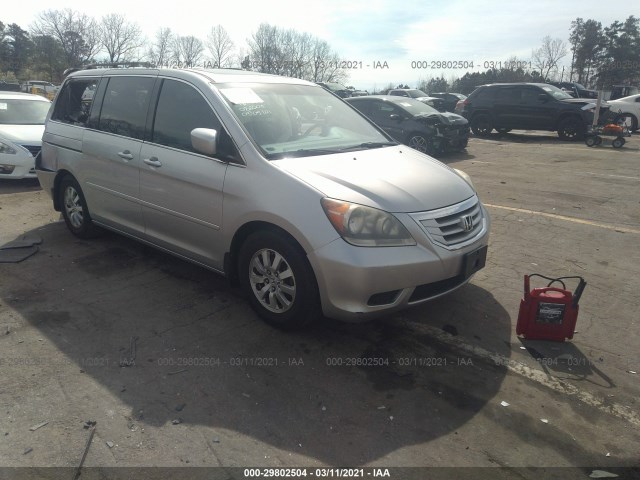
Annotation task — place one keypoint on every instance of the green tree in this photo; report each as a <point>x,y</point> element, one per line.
<point>18,48</point>
<point>620,61</point>
<point>587,46</point>
<point>48,59</point>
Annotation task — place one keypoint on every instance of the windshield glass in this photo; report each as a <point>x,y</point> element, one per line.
<point>555,92</point>
<point>416,107</point>
<point>23,112</point>
<point>416,93</point>
<point>581,87</point>
<point>298,120</point>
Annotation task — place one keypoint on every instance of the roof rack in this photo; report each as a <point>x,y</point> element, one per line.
<point>93,66</point>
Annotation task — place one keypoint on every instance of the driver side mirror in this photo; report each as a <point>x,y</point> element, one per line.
<point>204,140</point>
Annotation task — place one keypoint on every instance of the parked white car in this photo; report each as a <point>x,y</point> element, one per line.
<point>22,117</point>
<point>629,106</point>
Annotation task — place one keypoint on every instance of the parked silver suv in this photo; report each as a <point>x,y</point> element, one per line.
<point>271,181</point>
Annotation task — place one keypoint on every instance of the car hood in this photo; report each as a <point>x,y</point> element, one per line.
<point>583,101</point>
<point>446,118</point>
<point>23,134</point>
<point>394,179</point>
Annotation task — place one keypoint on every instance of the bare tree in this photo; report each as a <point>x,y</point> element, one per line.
<point>220,47</point>
<point>121,39</point>
<point>294,54</point>
<point>187,51</point>
<point>546,58</point>
<point>77,33</point>
<point>159,53</point>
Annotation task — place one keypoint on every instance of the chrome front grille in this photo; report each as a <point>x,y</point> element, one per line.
<point>455,226</point>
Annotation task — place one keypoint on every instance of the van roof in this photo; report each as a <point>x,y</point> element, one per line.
<point>215,75</point>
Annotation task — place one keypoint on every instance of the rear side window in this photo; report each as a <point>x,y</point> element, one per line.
<point>75,101</point>
<point>181,108</point>
<point>125,105</point>
<point>485,94</point>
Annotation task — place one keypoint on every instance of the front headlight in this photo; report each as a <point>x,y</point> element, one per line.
<point>6,148</point>
<point>366,226</point>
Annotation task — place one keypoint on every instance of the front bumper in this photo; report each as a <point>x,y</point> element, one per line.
<point>453,137</point>
<point>360,283</point>
<point>17,166</point>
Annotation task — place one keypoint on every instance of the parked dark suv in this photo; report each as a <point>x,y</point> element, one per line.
<point>526,106</point>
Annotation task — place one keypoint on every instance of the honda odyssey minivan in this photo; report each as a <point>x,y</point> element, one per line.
<point>271,181</point>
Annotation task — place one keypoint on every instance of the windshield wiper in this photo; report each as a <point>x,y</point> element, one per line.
<point>375,145</point>
<point>308,152</point>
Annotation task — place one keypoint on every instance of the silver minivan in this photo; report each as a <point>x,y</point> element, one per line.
<point>273,182</point>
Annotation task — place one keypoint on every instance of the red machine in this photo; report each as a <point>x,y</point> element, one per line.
<point>549,313</point>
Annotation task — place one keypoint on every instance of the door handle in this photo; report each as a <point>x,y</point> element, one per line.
<point>126,155</point>
<point>153,161</point>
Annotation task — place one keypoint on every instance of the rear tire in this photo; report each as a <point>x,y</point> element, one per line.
<point>278,280</point>
<point>74,209</point>
<point>481,125</point>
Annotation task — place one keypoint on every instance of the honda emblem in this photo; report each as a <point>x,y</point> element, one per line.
<point>466,223</point>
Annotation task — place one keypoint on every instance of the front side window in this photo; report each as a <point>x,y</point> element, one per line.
<point>125,105</point>
<point>289,120</point>
<point>74,101</point>
<point>181,108</point>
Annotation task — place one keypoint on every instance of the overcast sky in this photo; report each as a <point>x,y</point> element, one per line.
<point>393,31</point>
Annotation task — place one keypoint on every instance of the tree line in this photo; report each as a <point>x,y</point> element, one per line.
<point>60,39</point>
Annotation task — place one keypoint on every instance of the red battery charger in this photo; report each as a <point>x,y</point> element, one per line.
<point>549,313</point>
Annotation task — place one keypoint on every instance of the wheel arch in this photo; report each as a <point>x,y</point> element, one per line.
<point>239,237</point>
<point>567,115</point>
<point>56,188</point>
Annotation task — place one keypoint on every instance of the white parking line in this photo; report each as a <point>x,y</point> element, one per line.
<point>567,219</point>
<point>608,175</point>
<point>535,375</point>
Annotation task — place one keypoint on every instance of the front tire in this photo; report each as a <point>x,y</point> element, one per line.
<point>278,280</point>
<point>74,209</point>
<point>570,129</point>
<point>631,121</point>
<point>418,142</point>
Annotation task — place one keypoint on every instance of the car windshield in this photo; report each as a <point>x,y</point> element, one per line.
<point>416,107</point>
<point>287,120</point>
<point>581,87</point>
<point>416,93</point>
<point>555,92</point>
<point>23,112</point>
